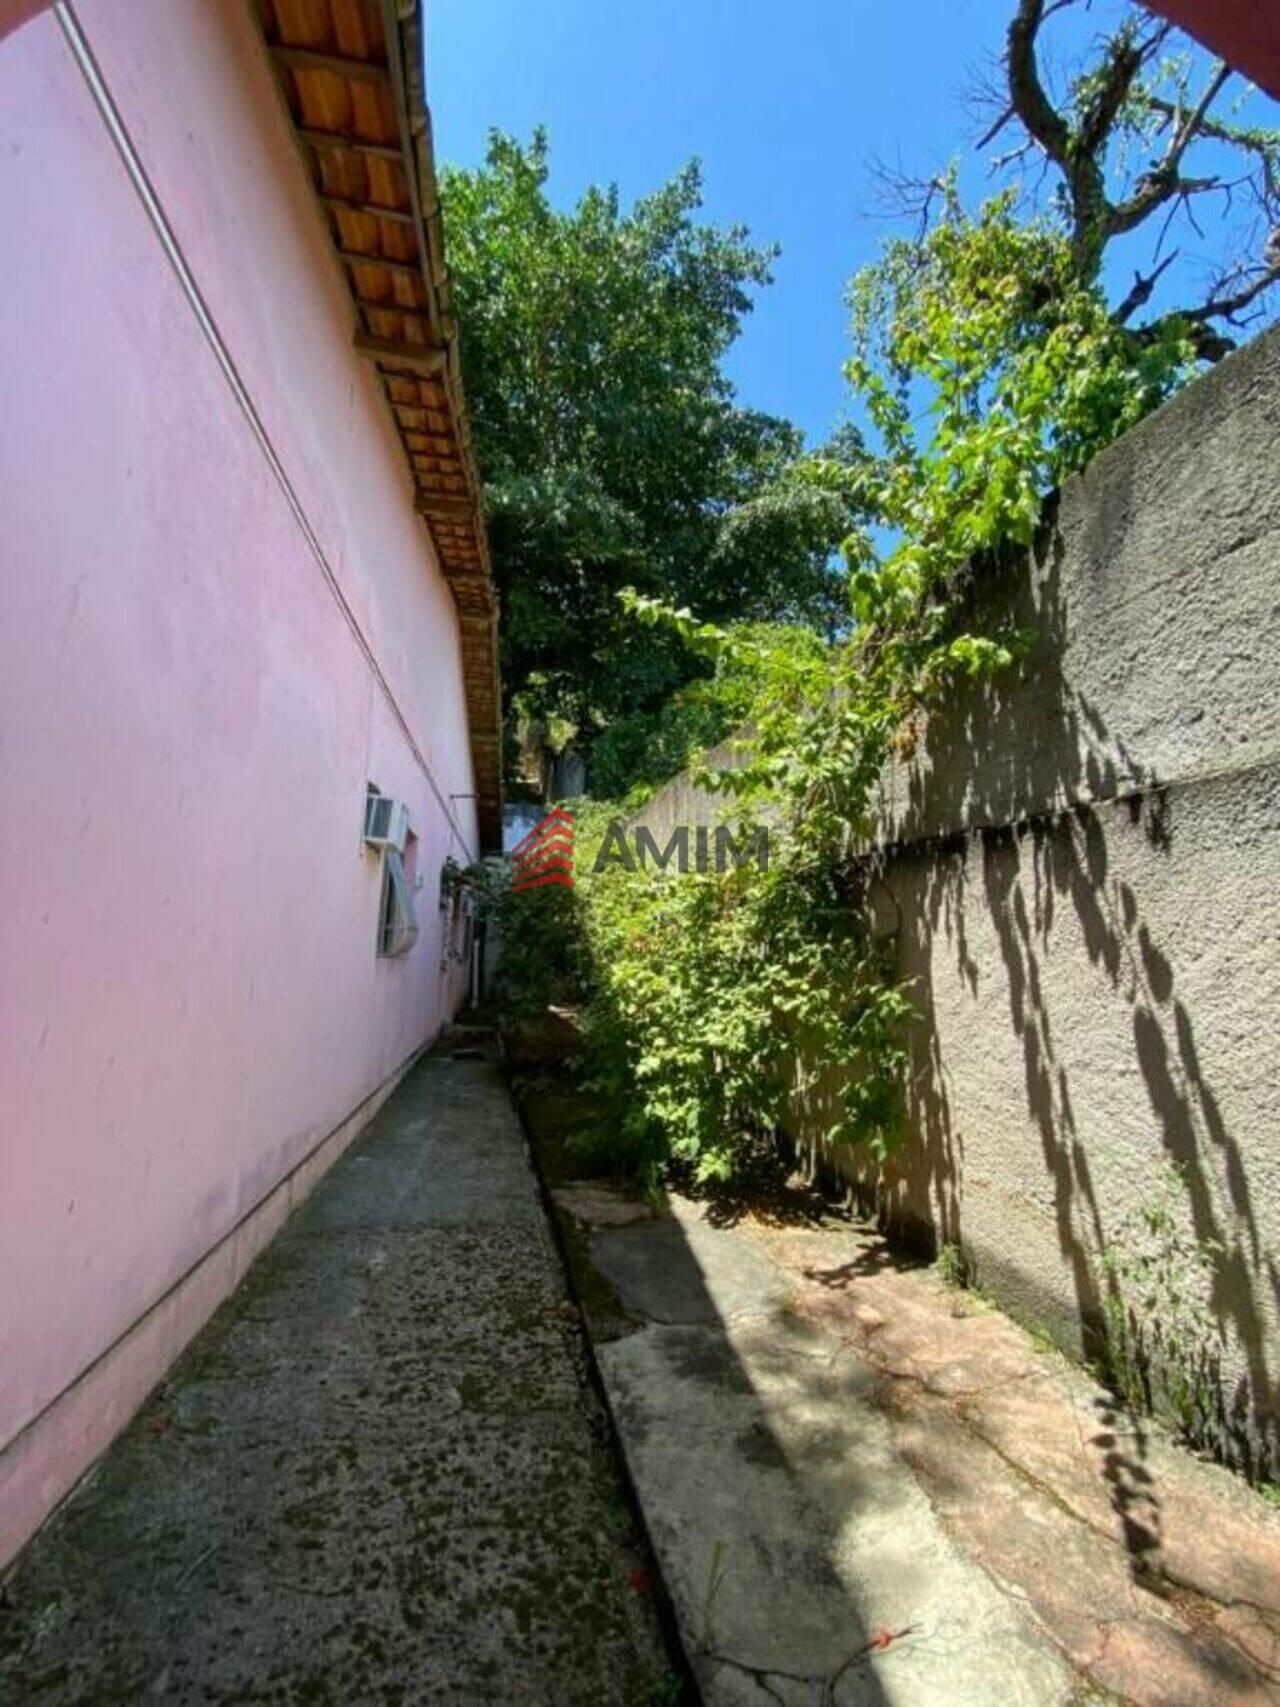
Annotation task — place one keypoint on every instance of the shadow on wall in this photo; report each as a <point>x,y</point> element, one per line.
<point>1045,947</point>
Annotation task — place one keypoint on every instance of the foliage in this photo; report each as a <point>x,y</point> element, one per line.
<point>988,363</point>
<point>542,961</point>
<point>717,1000</point>
<point>1024,373</point>
<point>643,749</point>
<point>612,448</point>
<point>702,986</point>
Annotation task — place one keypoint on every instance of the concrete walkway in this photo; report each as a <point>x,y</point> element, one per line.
<point>867,1488</point>
<point>379,1476</point>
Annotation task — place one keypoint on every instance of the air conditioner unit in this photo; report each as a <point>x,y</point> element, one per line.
<point>386,822</point>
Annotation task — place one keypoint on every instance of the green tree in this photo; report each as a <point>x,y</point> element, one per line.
<point>990,360</point>
<point>611,445</point>
<point>988,371</point>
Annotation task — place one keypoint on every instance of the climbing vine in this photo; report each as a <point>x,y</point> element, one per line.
<point>988,371</point>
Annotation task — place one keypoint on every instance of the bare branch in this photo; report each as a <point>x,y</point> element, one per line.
<point>989,136</point>
<point>1194,120</point>
<point>1203,125</point>
<point>1002,161</point>
<point>1265,144</point>
<point>985,95</point>
<point>1164,229</point>
<point>1143,285</point>
<point>900,193</point>
<point>1210,343</point>
<point>1231,306</point>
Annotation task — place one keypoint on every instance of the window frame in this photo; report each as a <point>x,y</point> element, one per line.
<point>398,927</point>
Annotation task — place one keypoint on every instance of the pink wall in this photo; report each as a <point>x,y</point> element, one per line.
<point>189,993</point>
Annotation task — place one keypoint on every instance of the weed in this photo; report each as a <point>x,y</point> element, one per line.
<point>951,1267</point>
<point>1042,1341</point>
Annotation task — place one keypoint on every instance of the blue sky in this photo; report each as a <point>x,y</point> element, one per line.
<point>786,106</point>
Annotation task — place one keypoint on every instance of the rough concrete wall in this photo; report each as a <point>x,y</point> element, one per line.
<point>1153,598</point>
<point>1084,870</point>
<point>194,691</point>
<point>1097,993</point>
<point>1085,864</point>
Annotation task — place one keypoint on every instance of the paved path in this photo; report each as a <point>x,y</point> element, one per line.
<point>379,1476</point>
<point>868,1490</point>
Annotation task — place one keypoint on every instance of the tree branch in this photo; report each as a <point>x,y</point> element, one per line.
<point>1163,181</point>
<point>989,136</point>
<point>1124,62</point>
<point>1042,119</point>
<point>1260,141</point>
<point>1143,285</point>
<point>1195,119</point>
<point>1227,307</point>
<point>1210,343</point>
<point>1076,138</point>
<point>1265,144</point>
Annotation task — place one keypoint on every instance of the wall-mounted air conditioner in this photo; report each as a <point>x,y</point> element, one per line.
<point>386,822</point>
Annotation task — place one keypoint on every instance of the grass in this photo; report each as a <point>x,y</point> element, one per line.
<point>951,1268</point>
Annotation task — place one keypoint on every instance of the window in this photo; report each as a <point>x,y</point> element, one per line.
<point>386,827</point>
<point>398,921</point>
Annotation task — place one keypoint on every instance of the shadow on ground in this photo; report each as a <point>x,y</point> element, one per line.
<point>866,1487</point>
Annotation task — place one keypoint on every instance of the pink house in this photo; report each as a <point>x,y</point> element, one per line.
<point>243,584</point>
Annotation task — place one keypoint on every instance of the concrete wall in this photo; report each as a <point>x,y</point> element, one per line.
<point>1083,870</point>
<point>199,674</point>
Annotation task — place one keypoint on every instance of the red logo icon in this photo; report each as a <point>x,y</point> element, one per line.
<point>546,853</point>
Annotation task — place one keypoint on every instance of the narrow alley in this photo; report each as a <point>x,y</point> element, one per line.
<point>383,1472</point>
